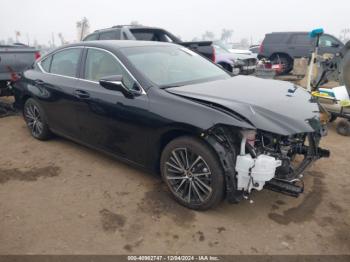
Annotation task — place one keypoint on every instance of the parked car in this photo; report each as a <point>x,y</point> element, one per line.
<point>13,60</point>
<point>206,48</point>
<point>283,47</point>
<point>165,108</point>
<point>231,59</point>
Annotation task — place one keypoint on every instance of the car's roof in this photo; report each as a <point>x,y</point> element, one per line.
<point>126,26</point>
<point>293,32</point>
<point>117,44</point>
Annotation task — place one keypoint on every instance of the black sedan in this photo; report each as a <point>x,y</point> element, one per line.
<point>163,107</point>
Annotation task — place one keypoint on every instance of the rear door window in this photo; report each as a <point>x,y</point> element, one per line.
<point>144,35</point>
<point>275,39</point>
<point>111,35</point>
<point>91,37</point>
<point>46,63</point>
<point>66,62</point>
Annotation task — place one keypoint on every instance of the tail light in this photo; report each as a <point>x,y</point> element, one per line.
<point>261,48</point>
<point>14,76</point>
<point>37,55</point>
<point>213,57</point>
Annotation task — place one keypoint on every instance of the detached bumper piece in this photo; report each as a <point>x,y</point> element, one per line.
<point>323,153</point>
<point>286,188</point>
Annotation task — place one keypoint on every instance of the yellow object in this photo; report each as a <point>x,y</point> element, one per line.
<point>323,95</point>
<point>344,103</point>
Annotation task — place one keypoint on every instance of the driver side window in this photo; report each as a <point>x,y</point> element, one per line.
<point>327,41</point>
<point>100,64</point>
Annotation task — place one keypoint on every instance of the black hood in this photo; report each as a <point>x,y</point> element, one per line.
<point>270,105</point>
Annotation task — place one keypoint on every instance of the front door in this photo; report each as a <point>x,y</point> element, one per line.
<point>107,119</point>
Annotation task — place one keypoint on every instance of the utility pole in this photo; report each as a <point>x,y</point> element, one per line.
<point>83,26</point>
<point>53,39</point>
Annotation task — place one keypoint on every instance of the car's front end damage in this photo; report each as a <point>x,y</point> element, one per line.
<point>262,160</point>
<point>281,144</point>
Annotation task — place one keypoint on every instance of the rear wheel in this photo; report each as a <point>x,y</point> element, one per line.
<point>285,60</point>
<point>343,127</point>
<point>35,118</point>
<point>192,173</point>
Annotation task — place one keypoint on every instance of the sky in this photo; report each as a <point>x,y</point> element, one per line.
<point>39,19</point>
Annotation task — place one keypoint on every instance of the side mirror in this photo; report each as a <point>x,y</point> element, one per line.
<point>115,83</point>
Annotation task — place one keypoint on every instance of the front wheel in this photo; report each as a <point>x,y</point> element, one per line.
<point>192,172</point>
<point>35,118</point>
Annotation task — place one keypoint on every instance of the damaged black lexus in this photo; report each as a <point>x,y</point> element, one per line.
<point>163,107</point>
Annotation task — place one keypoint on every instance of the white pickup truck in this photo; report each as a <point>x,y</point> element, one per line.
<point>14,59</point>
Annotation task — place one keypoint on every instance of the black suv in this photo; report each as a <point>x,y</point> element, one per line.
<point>283,47</point>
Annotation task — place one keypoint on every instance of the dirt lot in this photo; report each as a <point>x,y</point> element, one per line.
<point>58,197</point>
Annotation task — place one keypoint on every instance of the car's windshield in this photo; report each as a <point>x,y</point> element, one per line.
<point>168,66</point>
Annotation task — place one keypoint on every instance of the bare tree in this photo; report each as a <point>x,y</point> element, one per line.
<point>345,35</point>
<point>226,35</point>
<point>244,43</point>
<point>83,28</point>
<point>208,35</point>
<point>134,23</point>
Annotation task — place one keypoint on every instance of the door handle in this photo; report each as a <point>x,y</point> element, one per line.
<point>39,82</point>
<point>81,94</point>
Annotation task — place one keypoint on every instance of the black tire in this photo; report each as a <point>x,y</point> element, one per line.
<point>35,119</point>
<point>332,118</point>
<point>285,60</point>
<point>343,127</point>
<point>227,67</point>
<point>202,164</point>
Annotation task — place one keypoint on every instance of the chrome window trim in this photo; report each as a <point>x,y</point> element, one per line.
<point>52,54</point>
<point>141,91</point>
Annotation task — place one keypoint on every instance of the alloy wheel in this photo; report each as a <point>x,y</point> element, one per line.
<point>33,119</point>
<point>189,176</point>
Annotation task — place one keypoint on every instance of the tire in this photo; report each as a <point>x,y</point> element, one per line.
<point>332,118</point>
<point>200,187</point>
<point>227,67</point>
<point>343,127</point>
<point>285,60</point>
<point>35,119</point>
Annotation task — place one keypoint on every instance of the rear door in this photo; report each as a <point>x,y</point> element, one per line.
<point>300,45</point>
<point>55,87</point>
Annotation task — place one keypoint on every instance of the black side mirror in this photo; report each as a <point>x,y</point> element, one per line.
<point>336,45</point>
<point>115,83</point>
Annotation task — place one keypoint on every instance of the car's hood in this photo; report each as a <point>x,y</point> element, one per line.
<point>270,105</point>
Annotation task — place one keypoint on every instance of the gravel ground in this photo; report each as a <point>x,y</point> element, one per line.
<point>58,197</point>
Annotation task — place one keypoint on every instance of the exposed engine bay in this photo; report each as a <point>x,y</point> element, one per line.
<point>269,161</point>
